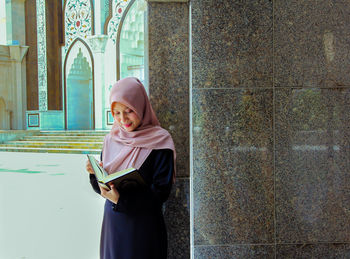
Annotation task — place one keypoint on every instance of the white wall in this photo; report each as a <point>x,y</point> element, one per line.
<point>12,86</point>
<point>2,22</point>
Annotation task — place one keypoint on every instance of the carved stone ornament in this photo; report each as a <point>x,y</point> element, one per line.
<point>97,43</point>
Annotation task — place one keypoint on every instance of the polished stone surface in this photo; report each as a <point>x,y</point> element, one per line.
<point>169,74</point>
<point>312,165</point>
<point>306,251</point>
<point>177,218</point>
<point>232,43</point>
<point>311,43</point>
<point>168,39</point>
<point>234,251</point>
<point>232,166</point>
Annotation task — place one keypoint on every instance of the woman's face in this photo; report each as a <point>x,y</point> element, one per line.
<point>125,117</point>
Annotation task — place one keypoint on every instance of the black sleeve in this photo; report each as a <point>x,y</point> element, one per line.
<point>93,181</point>
<point>157,171</point>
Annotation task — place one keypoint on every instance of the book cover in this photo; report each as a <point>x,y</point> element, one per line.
<point>121,179</point>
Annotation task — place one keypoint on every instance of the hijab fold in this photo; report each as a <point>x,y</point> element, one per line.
<point>123,149</point>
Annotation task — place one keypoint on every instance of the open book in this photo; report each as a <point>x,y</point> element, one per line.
<point>120,179</point>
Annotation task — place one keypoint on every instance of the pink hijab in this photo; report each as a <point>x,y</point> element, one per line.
<point>124,149</point>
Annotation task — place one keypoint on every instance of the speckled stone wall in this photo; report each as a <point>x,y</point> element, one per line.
<point>271,129</point>
<point>168,40</point>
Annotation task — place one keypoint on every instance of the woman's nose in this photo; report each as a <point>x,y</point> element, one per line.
<point>122,117</point>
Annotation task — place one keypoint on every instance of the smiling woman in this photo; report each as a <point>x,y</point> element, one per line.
<point>133,224</point>
<point>125,117</point>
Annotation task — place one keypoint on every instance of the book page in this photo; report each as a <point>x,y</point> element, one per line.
<point>97,168</point>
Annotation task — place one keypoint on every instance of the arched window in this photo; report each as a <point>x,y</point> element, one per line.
<point>131,42</point>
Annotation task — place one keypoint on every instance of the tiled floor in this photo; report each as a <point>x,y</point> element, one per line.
<point>47,207</point>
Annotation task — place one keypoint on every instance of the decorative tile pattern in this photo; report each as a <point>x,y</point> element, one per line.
<point>119,6</point>
<point>233,179</point>
<point>312,165</point>
<point>33,120</point>
<point>42,67</point>
<point>78,20</point>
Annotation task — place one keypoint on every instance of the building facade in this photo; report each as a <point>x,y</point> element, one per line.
<point>77,51</point>
<point>255,94</point>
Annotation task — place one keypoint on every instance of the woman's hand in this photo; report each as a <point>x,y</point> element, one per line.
<point>112,194</point>
<point>89,167</point>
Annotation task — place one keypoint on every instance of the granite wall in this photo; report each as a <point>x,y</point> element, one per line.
<point>271,129</point>
<point>168,40</point>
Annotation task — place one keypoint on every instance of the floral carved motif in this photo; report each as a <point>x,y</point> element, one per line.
<point>118,11</point>
<point>78,20</point>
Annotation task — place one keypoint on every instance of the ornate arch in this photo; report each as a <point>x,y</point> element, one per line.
<point>79,21</point>
<point>119,9</point>
<point>120,26</point>
<point>109,17</point>
<point>65,79</point>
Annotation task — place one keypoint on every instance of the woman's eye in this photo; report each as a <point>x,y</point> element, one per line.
<point>129,111</point>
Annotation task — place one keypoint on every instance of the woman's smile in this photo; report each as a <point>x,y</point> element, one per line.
<point>125,117</point>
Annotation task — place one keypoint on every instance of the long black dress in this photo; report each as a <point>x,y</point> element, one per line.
<point>134,227</point>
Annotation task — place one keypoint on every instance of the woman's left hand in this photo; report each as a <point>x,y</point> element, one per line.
<point>112,194</point>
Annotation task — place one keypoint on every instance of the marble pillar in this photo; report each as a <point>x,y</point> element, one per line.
<point>12,86</point>
<point>17,54</point>
<point>15,22</point>
<point>312,128</point>
<point>168,40</point>
<point>14,66</point>
<point>98,46</point>
<point>270,129</point>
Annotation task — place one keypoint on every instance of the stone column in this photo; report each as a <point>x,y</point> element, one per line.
<point>312,90</point>
<point>232,111</point>
<point>270,107</point>
<point>98,45</point>
<point>15,34</point>
<point>15,22</point>
<point>168,51</point>
<point>17,54</point>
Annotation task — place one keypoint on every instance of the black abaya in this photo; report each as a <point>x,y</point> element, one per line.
<point>134,227</point>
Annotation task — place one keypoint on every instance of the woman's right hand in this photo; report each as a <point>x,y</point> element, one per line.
<point>89,167</point>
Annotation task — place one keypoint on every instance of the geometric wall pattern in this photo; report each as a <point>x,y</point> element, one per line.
<point>119,7</point>
<point>78,20</point>
<point>42,66</point>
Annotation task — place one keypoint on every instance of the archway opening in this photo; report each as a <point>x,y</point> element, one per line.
<point>79,89</point>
